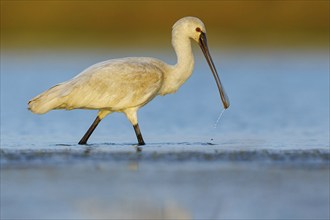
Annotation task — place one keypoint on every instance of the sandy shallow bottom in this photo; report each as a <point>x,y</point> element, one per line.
<point>163,181</point>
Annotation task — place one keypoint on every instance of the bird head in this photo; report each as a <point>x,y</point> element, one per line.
<point>189,26</point>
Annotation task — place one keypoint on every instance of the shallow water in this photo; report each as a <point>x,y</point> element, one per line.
<point>267,158</point>
<point>281,95</point>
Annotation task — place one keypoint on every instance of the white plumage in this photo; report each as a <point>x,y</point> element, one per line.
<point>125,85</point>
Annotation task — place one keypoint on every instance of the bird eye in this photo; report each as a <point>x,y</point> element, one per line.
<point>198,29</point>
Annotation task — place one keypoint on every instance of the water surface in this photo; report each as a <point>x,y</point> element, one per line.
<point>267,158</point>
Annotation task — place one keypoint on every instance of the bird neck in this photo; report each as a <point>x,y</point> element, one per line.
<point>182,70</point>
<point>185,57</point>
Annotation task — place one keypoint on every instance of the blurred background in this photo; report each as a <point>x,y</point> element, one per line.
<point>27,24</point>
<point>276,48</point>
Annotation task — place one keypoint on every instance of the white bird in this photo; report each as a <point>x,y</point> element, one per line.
<point>127,84</point>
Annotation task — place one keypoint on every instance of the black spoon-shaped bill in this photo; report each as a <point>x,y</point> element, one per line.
<point>205,49</point>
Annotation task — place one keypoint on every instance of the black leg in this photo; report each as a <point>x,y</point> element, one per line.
<point>138,134</point>
<point>84,139</point>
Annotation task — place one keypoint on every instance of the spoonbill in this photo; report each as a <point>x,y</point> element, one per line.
<point>125,85</point>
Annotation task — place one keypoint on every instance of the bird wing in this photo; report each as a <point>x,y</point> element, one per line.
<point>114,84</point>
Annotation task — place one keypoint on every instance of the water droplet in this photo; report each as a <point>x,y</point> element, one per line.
<point>217,122</point>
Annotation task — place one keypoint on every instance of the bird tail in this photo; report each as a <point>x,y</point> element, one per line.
<point>46,101</point>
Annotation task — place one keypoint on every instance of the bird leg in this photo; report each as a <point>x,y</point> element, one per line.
<point>90,131</point>
<point>138,134</point>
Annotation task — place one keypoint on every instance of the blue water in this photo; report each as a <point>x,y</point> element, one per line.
<point>279,99</point>
<point>268,158</point>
